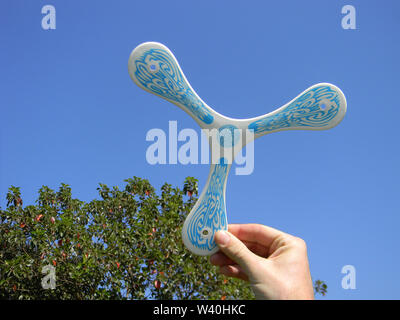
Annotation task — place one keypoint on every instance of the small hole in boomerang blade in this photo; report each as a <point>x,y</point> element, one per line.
<point>205,232</point>
<point>153,67</point>
<point>322,106</point>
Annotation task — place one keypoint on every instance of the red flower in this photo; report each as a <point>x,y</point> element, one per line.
<point>39,217</point>
<point>157,284</point>
<point>54,262</point>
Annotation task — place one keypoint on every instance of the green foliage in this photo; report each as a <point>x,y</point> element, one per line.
<point>125,245</point>
<point>320,287</point>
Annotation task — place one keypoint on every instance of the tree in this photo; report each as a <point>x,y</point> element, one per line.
<point>124,245</point>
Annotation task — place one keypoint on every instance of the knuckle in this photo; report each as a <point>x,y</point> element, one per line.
<point>300,243</point>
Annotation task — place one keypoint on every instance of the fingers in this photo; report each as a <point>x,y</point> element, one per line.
<point>233,271</point>
<point>236,250</point>
<point>257,233</point>
<point>220,258</point>
<point>243,247</point>
<point>257,248</point>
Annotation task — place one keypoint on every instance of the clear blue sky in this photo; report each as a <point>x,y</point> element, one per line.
<point>70,113</point>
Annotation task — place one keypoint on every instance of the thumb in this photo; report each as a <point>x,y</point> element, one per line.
<point>235,249</point>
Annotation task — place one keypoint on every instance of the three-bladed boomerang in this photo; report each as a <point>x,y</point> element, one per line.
<point>153,67</point>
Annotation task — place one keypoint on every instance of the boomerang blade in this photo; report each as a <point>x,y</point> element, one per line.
<point>153,67</point>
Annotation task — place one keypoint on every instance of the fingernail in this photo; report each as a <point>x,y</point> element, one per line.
<point>222,238</point>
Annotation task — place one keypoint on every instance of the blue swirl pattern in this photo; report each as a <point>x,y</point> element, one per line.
<point>210,214</point>
<point>305,111</point>
<point>158,72</point>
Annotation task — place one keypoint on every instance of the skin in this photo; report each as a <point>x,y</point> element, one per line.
<point>275,263</point>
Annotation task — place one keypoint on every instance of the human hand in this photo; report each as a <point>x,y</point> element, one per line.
<point>275,263</point>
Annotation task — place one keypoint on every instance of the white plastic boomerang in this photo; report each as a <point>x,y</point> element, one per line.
<point>153,67</point>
